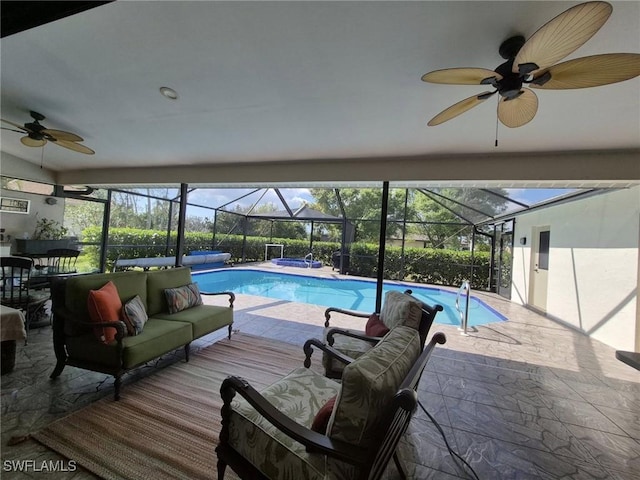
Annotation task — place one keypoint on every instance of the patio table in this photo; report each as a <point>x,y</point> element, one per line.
<point>11,329</point>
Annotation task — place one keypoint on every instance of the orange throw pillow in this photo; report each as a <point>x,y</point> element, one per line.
<point>321,419</point>
<point>105,306</point>
<point>375,327</point>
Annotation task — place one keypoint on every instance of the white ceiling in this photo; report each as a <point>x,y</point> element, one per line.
<point>284,81</point>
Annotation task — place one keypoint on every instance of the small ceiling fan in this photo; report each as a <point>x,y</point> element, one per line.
<point>533,62</point>
<point>36,135</point>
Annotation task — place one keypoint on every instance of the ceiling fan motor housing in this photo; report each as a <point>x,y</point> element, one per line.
<point>511,46</point>
<point>510,86</point>
<point>35,130</point>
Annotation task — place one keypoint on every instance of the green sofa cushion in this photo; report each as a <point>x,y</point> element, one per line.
<point>157,281</point>
<point>158,337</point>
<point>129,284</point>
<point>204,319</point>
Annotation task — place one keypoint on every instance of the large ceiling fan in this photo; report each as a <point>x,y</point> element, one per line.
<point>36,135</point>
<point>533,62</point>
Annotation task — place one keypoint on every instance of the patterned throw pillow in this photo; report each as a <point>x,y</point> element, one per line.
<point>134,315</point>
<point>375,327</point>
<point>184,297</point>
<point>104,305</point>
<point>401,309</point>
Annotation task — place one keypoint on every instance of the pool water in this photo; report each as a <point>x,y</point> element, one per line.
<point>349,294</point>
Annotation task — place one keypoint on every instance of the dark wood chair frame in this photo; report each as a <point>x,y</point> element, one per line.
<point>62,260</point>
<point>371,461</point>
<point>428,316</point>
<point>17,288</point>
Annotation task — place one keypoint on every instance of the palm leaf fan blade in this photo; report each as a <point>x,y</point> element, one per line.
<point>14,124</point>
<point>518,111</point>
<point>460,76</point>
<point>592,71</point>
<point>563,35</point>
<point>458,109</point>
<point>62,135</point>
<point>76,147</point>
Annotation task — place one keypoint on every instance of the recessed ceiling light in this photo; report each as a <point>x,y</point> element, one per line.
<point>170,93</point>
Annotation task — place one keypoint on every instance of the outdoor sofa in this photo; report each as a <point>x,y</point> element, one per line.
<point>116,345</point>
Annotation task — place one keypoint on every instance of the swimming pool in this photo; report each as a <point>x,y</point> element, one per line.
<point>342,293</point>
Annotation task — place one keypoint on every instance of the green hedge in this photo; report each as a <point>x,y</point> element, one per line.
<point>422,265</point>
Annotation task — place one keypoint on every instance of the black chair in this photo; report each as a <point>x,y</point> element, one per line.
<point>340,261</point>
<point>17,290</point>
<point>62,261</point>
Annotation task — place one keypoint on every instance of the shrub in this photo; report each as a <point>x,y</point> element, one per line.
<point>421,265</point>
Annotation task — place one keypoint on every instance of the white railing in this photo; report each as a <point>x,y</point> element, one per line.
<point>465,289</point>
<point>308,259</point>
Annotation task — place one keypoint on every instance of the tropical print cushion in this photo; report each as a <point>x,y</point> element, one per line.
<point>134,315</point>
<point>299,395</point>
<point>181,298</point>
<point>369,384</point>
<point>351,347</point>
<point>401,309</point>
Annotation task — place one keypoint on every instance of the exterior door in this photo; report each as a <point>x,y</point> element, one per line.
<point>540,269</point>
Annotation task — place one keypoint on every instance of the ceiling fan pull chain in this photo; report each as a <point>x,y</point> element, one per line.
<point>42,157</point>
<point>496,144</point>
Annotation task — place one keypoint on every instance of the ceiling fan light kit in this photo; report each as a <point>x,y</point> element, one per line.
<point>534,62</point>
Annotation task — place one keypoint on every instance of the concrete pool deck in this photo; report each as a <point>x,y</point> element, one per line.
<point>526,398</point>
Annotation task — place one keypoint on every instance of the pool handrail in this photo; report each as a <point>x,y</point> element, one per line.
<point>464,316</point>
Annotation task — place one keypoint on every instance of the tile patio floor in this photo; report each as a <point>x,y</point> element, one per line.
<point>527,398</point>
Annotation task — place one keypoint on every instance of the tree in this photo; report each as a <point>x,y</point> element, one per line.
<point>362,207</point>
<point>449,209</point>
<point>80,214</point>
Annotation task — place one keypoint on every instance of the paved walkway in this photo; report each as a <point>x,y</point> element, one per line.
<point>527,398</point>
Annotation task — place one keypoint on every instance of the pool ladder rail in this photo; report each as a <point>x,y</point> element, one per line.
<point>465,289</point>
<point>308,259</point>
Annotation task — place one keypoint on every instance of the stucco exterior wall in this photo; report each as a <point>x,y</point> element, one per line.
<point>593,265</point>
<point>23,226</point>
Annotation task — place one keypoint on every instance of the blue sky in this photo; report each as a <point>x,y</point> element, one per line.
<point>296,196</point>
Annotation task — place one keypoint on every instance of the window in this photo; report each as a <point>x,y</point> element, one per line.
<point>27,186</point>
<point>14,205</point>
<point>543,251</point>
